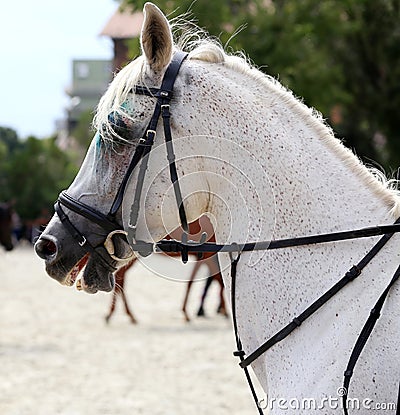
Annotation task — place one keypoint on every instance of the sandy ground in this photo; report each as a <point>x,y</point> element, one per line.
<point>57,355</point>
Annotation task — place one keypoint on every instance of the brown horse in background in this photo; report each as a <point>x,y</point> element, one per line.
<point>209,259</point>
<point>6,226</point>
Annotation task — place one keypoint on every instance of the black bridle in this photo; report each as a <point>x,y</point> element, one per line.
<point>105,252</point>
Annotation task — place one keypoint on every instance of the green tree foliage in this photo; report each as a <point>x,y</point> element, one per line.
<point>370,55</point>
<point>9,140</point>
<point>220,18</point>
<point>341,56</point>
<point>32,173</point>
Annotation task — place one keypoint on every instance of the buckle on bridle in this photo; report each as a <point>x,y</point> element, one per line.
<point>83,241</point>
<point>148,132</point>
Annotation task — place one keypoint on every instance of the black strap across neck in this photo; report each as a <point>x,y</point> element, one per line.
<point>350,275</point>
<point>172,245</point>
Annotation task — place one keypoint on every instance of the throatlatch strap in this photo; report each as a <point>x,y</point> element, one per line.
<point>170,78</point>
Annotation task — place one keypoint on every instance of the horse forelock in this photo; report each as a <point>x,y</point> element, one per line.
<point>203,48</point>
<point>112,104</point>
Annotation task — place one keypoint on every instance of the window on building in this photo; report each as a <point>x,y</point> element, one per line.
<point>82,70</point>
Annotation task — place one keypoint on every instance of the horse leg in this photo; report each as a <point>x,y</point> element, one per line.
<point>127,310</point>
<point>200,312</point>
<point>121,280</point>
<point>112,306</point>
<point>215,271</point>
<point>222,307</point>
<point>119,290</point>
<point>188,287</point>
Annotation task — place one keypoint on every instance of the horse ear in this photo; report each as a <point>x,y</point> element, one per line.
<point>156,37</point>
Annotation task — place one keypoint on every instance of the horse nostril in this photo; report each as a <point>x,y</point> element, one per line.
<point>46,249</point>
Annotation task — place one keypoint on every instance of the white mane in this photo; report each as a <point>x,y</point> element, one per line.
<point>210,50</point>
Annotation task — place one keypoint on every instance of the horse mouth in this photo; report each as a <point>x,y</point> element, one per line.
<point>87,275</point>
<point>75,270</point>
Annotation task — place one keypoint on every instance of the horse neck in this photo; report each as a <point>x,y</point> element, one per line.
<point>317,187</point>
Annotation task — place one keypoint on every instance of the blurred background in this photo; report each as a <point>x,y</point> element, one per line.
<point>340,56</point>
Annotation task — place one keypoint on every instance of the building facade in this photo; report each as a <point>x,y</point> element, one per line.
<point>90,79</point>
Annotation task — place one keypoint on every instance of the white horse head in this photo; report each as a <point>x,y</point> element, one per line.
<point>259,163</point>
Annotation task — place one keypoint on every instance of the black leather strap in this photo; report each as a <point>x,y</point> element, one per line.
<point>350,275</point>
<point>137,156</point>
<point>144,90</point>
<point>164,96</point>
<point>363,338</point>
<point>167,245</point>
<point>99,252</point>
<point>172,167</point>
<point>239,348</point>
<point>88,212</point>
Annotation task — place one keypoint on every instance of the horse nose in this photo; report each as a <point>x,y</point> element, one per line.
<point>46,249</point>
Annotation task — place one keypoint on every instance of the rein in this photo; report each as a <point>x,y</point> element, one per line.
<point>106,255</point>
<point>350,275</point>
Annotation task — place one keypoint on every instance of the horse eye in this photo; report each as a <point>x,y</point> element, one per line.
<point>119,127</point>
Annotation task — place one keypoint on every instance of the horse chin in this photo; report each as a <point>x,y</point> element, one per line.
<point>96,277</point>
